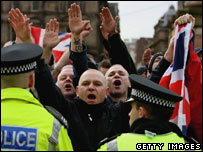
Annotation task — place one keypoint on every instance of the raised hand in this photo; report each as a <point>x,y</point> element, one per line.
<point>76,26</point>
<point>108,23</point>
<point>20,24</point>
<point>146,57</point>
<point>75,20</point>
<point>51,38</point>
<point>185,19</point>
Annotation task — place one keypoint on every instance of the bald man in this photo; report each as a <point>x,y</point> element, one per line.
<point>92,87</point>
<point>118,83</point>
<point>90,116</point>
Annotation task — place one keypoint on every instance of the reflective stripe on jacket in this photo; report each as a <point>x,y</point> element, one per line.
<point>137,142</point>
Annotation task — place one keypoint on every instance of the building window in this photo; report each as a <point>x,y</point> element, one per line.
<point>82,7</point>
<point>35,5</point>
<point>16,4</point>
<point>62,6</point>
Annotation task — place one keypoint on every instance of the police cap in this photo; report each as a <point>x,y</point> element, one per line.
<point>19,58</point>
<point>145,90</point>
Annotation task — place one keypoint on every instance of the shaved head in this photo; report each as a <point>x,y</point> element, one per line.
<point>116,66</point>
<point>95,72</point>
<point>92,87</point>
<point>118,82</point>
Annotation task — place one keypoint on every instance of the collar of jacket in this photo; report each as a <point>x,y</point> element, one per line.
<point>94,109</point>
<point>19,94</point>
<point>109,100</point>
<point>159,127</point>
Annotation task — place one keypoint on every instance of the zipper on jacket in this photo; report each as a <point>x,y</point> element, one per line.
<point>90,118</point>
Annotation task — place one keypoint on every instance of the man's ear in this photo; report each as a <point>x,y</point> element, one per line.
<point>142,112</point>
<point>107,92</point>
<point>77,91</point>
<point>31,81</point>
<point>129,83</point>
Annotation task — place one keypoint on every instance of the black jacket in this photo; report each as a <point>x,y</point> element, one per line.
<point>119,54</point>
<point>88,124</point>
<point>158,72</point>
<point>159,127</point>
<point>102,120</point>
<point>156,126</point>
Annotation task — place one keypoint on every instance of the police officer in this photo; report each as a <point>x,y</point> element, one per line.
<point>25,123</point>
<point>152,106</point>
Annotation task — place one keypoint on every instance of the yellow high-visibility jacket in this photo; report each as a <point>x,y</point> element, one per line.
<point>138,142</point>
<point>27,125</point>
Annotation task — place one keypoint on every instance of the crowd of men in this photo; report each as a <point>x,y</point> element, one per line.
<point>85,106</point>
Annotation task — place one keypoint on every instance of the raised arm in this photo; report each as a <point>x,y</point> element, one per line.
<point>146,57</point>
<point>51,39</point>
<point>117,49</point>
<point>63,61</point>
<point>48,93</point>
<point>20,24</point>
<point>78,53</point>
<point>158,72</point>
<point>164,63</point>
<point>108,23</point>
<point>76,26</point>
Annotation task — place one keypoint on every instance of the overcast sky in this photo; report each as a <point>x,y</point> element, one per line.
<point>138,18</point>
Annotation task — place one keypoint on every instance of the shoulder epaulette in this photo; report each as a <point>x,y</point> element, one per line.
<point>57,115</point>
<point>106,140</point>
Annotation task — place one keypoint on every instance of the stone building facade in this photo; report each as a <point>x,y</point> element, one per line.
<point>131,45</point>
<point>40,12</point>
<point>160,39</point>
<point>159,42</point>
<point>141,45</point>
<point>164,29</point>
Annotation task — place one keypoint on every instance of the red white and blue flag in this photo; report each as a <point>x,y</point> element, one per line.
<point>38,35</point>
<point>175,76</point>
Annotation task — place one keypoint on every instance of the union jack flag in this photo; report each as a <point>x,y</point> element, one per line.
<point>174,77</point>
<point>38,35</point>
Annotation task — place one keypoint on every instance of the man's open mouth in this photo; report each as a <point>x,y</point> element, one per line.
<point>117,83</point>
<point>68,86</point>
<point>91,96</point>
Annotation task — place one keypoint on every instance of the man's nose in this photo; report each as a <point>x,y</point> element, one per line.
<point>116,75</point>
<point>91,86</point>
<point>69,79</point>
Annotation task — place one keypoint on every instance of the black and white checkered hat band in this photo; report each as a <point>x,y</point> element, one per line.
<point>18,69</point>
<point>152,99</point>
